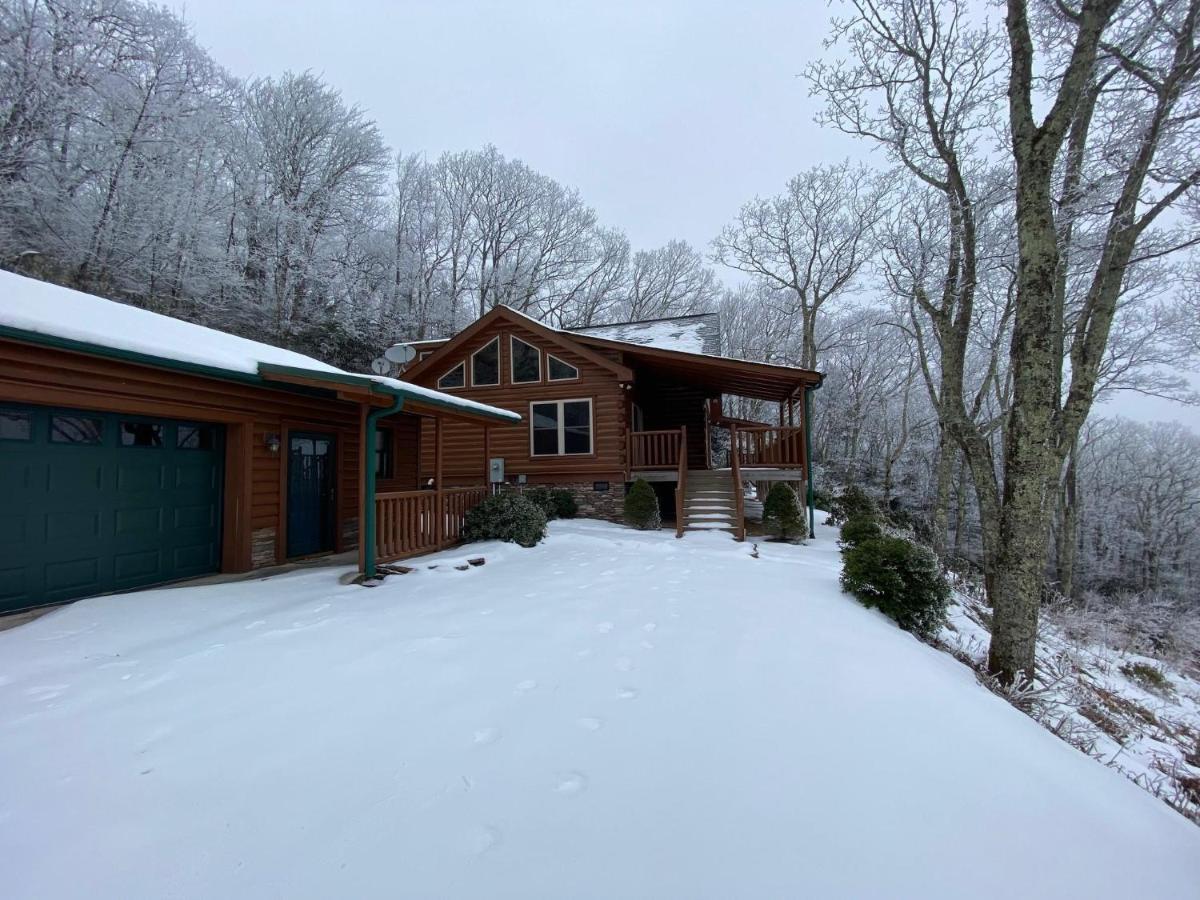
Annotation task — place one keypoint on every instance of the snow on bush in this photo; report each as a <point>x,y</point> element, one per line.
<point>556,503</point>
<point>505,517</point>
<point>782,516</point>
<point>641,506</point>
<point>901,579</point>
<point>853,502</point>
<point>860,529</point>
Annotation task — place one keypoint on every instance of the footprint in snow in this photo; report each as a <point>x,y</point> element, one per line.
<point>571,783</point>
<point>647,645</point>
<point>485,736</point>
<point>624,664</point>
<point>604,627</point>
<point>588,723</point>
<point>650,626</point>
<point>258,623</point>
<point>628,693</point>
<point>482,839</point>
<point>526,686</point>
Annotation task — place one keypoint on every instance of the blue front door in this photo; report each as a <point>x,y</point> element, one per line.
<point>312,467</point>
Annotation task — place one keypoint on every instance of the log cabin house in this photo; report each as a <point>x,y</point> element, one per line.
<point>137,449</point>
<point>603,405</point>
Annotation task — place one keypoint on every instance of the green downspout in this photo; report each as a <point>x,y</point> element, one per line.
<point>368,516</point>
<point>808,470</point>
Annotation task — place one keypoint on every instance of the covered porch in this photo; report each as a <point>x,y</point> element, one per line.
<point>403,514</point>
<point>680,433</point>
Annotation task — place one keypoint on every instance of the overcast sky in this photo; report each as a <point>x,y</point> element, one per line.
<point>667,116</point>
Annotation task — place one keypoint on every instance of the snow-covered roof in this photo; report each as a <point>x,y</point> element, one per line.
<point>700,333</point>
<point>40,308</point>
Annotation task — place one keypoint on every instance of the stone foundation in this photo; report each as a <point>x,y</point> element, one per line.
<point>593,504</point>
<point>262,548</point>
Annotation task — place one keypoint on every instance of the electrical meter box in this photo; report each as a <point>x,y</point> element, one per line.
<point>496,470</point>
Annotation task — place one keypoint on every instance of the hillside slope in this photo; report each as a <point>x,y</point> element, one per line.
<point>612,713</point>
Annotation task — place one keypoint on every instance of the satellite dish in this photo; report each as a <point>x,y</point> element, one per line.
<point>381,366</point>
<point>400,353</point>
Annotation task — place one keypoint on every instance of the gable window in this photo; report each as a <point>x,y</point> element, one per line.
<point>485,364</point>
<point>526,362</point>
<point>455,378</point>
<point>383,453</point>
<point>559,370</point>
<point>560,428</point>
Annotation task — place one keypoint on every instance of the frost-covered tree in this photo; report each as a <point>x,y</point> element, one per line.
<point>809,243</point>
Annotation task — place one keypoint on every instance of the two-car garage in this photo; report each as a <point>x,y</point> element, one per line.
<point>96,502</point>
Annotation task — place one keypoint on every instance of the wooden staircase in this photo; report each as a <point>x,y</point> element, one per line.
<point>711,503</point>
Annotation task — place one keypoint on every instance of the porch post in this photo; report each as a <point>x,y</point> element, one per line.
<point>363,460</point>
<point>808,476</point>
<point>439,515</point>
<point>366,476</point>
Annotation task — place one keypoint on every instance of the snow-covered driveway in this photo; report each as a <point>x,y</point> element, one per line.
<point>610,714</point>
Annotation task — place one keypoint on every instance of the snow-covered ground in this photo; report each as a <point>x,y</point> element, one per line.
<point>610,714</point>
<point>1132,712</point>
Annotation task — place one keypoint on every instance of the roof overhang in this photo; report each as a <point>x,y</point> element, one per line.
<point>365,389</point>
<point>720,374</point>
<point>347,386</point>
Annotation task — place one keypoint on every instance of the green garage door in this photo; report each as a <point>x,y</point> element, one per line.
<point>93,502</point>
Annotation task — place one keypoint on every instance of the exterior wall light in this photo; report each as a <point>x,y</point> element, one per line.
<point>273,442</point>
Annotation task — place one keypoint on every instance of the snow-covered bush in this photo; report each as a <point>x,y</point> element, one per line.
<point>641,506</point>
<point>556,503</point>
<point>900,579</point>
<point>782,515</point>
<point>565,506</point>
<point>859,529</point>
<point>505,517</point>
<point>853,502</point>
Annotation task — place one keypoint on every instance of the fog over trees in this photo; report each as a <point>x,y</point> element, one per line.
<point>1020,246</point>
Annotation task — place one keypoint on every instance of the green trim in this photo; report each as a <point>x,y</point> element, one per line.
<point>367,535</point>
<point>146,359</point>
<point>159,362</point>
<point>349,378</point>
<point>163,362</point>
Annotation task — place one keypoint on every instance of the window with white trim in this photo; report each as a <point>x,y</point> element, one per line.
<point>525,361</point>
<point>560,428</point>
<point>485,364</point>
<point>455,378</point>
<point>557,370</point>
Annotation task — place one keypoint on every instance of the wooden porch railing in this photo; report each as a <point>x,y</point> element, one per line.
<point>767,446</point>
<point>412,522</point>
<point>654,449</point>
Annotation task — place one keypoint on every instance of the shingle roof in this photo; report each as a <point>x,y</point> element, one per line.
<point>698,333</point>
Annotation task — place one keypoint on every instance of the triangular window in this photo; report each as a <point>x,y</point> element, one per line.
<point>559,370</point>
<point>485,364</point>
<point>526,362</point>
<point>455,378</point>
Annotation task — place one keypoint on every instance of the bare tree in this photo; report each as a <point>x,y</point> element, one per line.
<point>810,243</point>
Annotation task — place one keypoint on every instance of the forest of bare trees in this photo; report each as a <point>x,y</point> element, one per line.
<point>1019,249</point>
